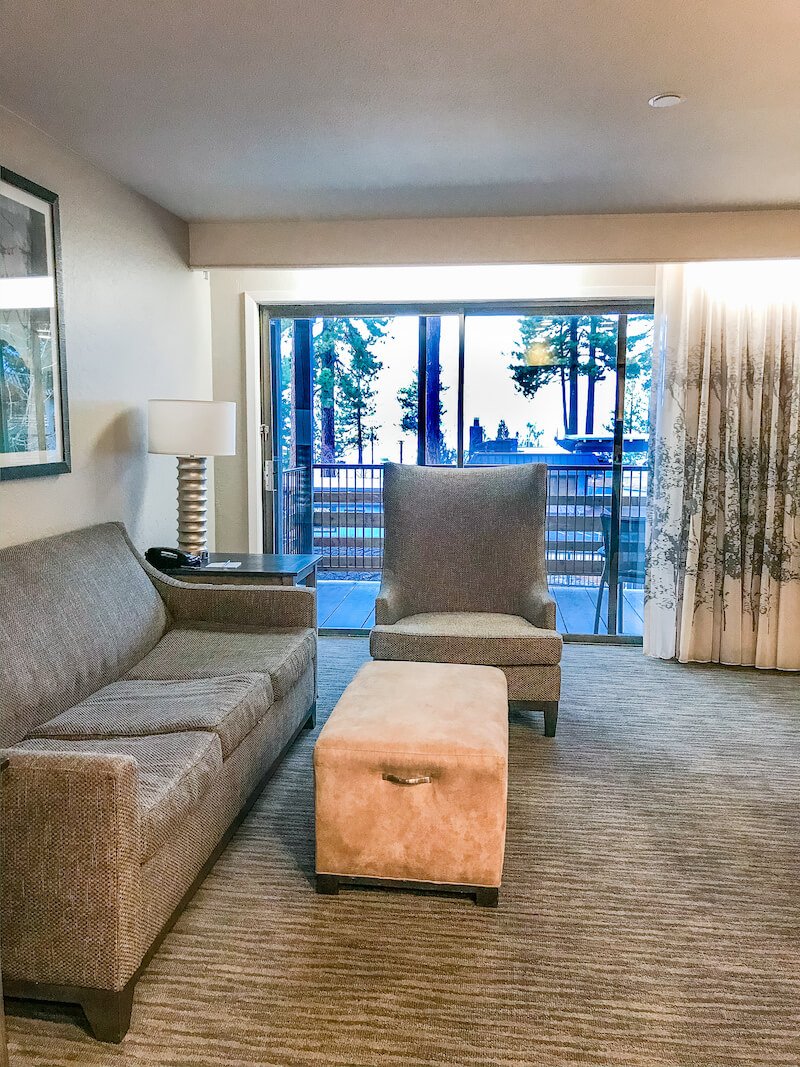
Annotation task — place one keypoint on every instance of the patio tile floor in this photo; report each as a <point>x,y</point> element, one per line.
<point>349,604</point>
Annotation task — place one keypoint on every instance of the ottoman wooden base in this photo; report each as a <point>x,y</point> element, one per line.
<point>485,896</point>
<point>410,777</point>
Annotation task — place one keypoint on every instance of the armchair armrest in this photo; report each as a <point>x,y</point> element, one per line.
<point>70,859</point>
<point>538,607</point>
<point>389,607</point>
<point>237,605</point>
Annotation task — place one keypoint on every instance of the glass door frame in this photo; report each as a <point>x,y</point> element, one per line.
<point>303,382</point>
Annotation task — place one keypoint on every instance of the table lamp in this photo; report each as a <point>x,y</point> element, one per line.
<point>192,430</point>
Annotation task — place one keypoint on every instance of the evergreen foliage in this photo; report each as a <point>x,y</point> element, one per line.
<point>566,348</point>
<point>346,370</point>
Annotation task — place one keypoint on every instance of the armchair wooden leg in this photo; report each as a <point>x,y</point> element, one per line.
<point>549,707</point>
<point>108,1013</point>
<point>550,718</point>
<point>311,721</point>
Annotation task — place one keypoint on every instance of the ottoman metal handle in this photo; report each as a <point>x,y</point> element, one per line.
<point>422,780</point>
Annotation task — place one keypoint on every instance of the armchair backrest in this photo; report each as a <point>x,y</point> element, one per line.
<point>76,612</point>
<point>463,539</point>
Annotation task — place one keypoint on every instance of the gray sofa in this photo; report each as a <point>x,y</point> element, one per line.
<point>140,717</point>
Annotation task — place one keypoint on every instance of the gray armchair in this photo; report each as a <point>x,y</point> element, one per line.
<point>465,578</point>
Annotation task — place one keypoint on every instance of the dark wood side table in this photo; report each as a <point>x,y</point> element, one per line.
<point>256,569</point>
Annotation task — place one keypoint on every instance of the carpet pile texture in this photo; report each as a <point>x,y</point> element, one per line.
<point>650,909</point>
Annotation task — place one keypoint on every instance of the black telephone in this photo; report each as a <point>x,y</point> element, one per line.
<point>167,559</point>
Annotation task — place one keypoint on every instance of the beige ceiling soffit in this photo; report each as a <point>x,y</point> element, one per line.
<point>653,238</point>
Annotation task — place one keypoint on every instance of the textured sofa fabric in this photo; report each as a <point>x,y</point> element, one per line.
<point>228,706</point>
<point>167,875</point>
<point>445,722</point>
<point>205,651</point>
<point>77,612</point>
<point>70,911</point>
<point>111,765</point>
<point>465,576</point>
<point>174,771</point>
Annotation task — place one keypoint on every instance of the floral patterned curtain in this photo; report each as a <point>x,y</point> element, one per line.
<point>723,575</point>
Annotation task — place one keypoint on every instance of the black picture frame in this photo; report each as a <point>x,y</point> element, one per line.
<point>51,399</point>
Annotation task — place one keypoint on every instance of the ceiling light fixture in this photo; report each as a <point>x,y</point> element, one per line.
<point>665,100</point>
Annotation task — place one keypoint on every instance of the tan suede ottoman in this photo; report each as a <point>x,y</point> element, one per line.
<point>411,773</point>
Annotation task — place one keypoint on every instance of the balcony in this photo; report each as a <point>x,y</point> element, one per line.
<point>345,526</point>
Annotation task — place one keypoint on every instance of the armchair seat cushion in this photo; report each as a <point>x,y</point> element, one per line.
<point>480,637</point>
<point>175,772</point>
<point>229,707</point>
<point>213,650</point>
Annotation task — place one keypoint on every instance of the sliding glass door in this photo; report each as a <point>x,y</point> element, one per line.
<point>549,389</point>
<point>466,388</point>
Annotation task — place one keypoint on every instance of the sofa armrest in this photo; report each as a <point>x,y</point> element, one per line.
<point>69,851</point>
<point>288,606</point>
<point>538,606</point>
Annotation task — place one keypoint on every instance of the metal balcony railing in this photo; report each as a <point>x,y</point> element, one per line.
<point>348,516</point>
<point>294,504</point>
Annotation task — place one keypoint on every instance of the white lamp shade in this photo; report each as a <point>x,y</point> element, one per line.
<point>192,427</point>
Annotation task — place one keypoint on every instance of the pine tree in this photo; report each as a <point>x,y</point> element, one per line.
<point>638,376</point>
<point>346,369</point>
<point>355,384</point>
<point>408,399</point>
<point>433,390</point>
<point>325,362</point>
<point>564,349</point>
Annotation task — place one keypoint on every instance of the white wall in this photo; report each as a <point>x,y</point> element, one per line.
<point>235,293</point>
<point>137,326</point>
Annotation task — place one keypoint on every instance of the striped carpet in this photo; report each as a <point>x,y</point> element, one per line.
<point>650,911</point>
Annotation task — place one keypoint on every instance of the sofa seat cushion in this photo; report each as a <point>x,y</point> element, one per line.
<point>210,651</point>
<point>229,707</point>
<point>175,772</point>
<point>480,637</point>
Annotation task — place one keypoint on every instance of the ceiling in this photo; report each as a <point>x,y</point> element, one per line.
<point>394,108</point>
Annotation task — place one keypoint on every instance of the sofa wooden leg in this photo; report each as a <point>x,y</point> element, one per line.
<point>328,884</point>
<point>108,1013</point>
<point>550,718</point>
<point>487,897</point>
<point>311,721</point>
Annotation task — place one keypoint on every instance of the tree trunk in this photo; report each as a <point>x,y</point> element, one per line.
<point>564,398</point>
<point>573,375</point>
<point>359,428</point>
<point>433,379</point>
<point>590,382</point>
<point>327,424</point>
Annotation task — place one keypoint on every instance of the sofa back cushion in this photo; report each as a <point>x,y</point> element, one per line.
<point>76,612</point>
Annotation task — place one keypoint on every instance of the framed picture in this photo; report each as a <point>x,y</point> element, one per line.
<point>34,425</point>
